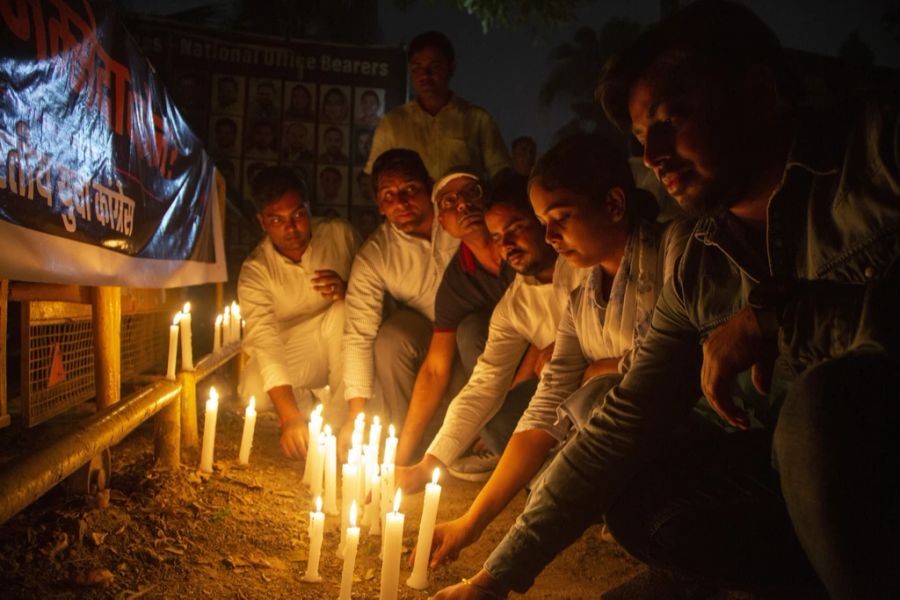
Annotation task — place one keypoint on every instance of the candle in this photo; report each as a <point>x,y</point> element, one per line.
<point>209,431</point>
<point>373,508</point>
<point>387,492</point>
<point>393,547</point>
<point>226,326</point>
<point>249,427</point>
<point>330,472</point>
<point>352,539</point>
<point>217,335</point>
<point>187,352</point>
<point>349,483</point>
<point>317,453</point>
<point>390,446</point>
<point>316,534</point>
<point>419,578</point>
<point>235,322</point>
<point>314,427</point>
<point>173,346</point>
<point>375,435</point>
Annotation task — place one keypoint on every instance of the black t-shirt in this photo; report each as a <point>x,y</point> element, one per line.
<point>467,288</point>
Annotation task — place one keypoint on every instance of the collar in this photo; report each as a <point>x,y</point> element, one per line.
<point>466,259</point>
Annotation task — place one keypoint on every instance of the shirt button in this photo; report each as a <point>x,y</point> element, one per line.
<point>869,272</point>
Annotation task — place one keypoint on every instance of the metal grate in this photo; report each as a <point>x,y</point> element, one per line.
<point>144,339</point>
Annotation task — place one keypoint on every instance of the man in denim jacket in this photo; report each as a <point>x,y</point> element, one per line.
<point>795,259</point>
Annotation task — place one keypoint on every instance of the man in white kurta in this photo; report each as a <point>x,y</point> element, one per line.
<point>445,130</point>
<point>291,290</point>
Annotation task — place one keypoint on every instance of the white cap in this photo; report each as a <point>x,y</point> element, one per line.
<point>443,181</point>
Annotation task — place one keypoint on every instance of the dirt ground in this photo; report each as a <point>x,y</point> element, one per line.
<point>239,533</point>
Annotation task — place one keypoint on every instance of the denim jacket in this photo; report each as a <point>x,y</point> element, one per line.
<point>833,228</point>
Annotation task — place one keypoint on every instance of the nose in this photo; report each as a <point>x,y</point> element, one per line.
<point>552,233</point>
<point>657,148</point>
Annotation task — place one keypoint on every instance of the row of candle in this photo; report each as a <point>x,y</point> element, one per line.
<point>228,329</point>
<point>207,449</point>
<point>391,547</point>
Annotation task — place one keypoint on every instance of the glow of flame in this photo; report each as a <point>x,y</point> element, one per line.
<point>353,514</point>
<point>397,501</point>
<point>227,313</point>
<point>219,320</point>
<point>435,475</point>
<point>376,420</point>
<point>213,394</point>
<point>319,409</point>
<point>328,430</point>
<point>318,504</point>
<point>251,406</point>
<point>177,318</point>
<point>392,431</point>
<point>187,308</point>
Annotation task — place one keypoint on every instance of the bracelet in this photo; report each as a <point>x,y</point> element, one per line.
<point>482,589</point>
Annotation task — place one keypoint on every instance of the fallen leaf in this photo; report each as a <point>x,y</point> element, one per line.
<point>98,537</point>
<point>93,577</point>
<point>61,543</point>
<point>101,499</point>
<point>370,574</point>
<point>82,530</point>
<point>277,563</point>
<point>285,494</point>
<point>300,556</point>
<point>174,550</point>
<point>140,592</point>
<point>234,562</point>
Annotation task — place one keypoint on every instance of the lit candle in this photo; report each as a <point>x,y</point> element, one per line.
<point>217,335</point>
<point>330,472</point>
<point>375,435</point>
<point>249,427</point>
<point>419,578</point>
<point>187,352</point>
<point>393,547</point>
<point>390,446</point>
<point>209,431</point>
<point>387,492</point>
<point>373,508</point>
<point>173,346</point>
<point>349,483</point>
<point>226,326</point>
<point>317,453</point>
<point>352,539</point>
<point>316,533</point>
<point>314,427</point>
<point>235,322</point>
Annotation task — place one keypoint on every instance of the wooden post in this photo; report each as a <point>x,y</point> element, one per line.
<point>4,304</point>
<point>106,310</point>
<point>189,437</point>
<point>167,439</point>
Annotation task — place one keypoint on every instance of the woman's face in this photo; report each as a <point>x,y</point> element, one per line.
<point>585,232</point>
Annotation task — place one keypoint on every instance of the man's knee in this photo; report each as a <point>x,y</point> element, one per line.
<point>471,336</point>
<point>403,337</point>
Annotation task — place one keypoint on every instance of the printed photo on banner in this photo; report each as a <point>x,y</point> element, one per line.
<point>335,104</point>
<point>299,101</point>
<point>297,142</point>
<point>333,144</point>
<point>262,140</point>
<point>265,99</point>
<point>332,185</point>
<point>331,212</point>
<point>362,188</point>
<point>228,94</point>
<point>251,168</point>
<point>366,220</point>
<point>369,107</point>
<point>362,145</point>
<point>226,136</point>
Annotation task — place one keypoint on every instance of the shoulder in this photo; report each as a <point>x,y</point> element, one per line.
<point>398,114</point>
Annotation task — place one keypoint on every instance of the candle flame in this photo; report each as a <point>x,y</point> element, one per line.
<point>227,313</point>
<point>392,431</point>
<point>397,501</point>
<point>318,504</point>
<point>435,475</point>
<point>319,409</point>
<point>213,394</point>
<point>361,417</point>
<point>376,420</point>
<point>353,514</point>
<point>177,318</point>
<point>328,430</point>
<point>187,308</point>
<point>251,406</point>
<point>219,320</point>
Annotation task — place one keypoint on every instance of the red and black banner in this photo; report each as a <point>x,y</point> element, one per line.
<point>102,181</point>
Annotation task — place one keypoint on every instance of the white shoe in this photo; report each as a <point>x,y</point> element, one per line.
<point>477,466</point>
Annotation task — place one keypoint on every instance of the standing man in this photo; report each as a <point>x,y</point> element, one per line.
<point>405,258</point>
<point>796,257</point>
<point>445,130</point>
<point>291,291</point>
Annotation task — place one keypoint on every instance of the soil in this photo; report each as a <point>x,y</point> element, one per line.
<point>239,533</point>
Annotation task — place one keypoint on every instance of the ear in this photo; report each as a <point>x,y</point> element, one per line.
<point>614,203</point>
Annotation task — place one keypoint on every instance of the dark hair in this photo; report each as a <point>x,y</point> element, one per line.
<point>715,38</point>
<point>431,39</point>
<point>591,165</point>
<point>271,183</point>
<point>402,160</point>
<point>509,187</point>
<point>524,139</point>
<point>338,91</point>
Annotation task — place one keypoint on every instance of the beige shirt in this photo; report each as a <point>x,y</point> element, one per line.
<point>276,294</point>
<point>460,134</point>
<point>391,262</point>
<point>528,313</point>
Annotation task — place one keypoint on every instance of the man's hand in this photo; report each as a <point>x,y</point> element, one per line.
<point>601,366</point>
<point>329,284</point>
<point>413,479</point>
<point>543,358</point>
<point>733,347</point>
<point>294,437</point>
<point>449,539</point>
<point>480,587</point>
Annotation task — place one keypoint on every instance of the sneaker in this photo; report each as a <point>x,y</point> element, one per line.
<point>476,466</point>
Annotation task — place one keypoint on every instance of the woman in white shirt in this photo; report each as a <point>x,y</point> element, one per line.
<point>583,191</point>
